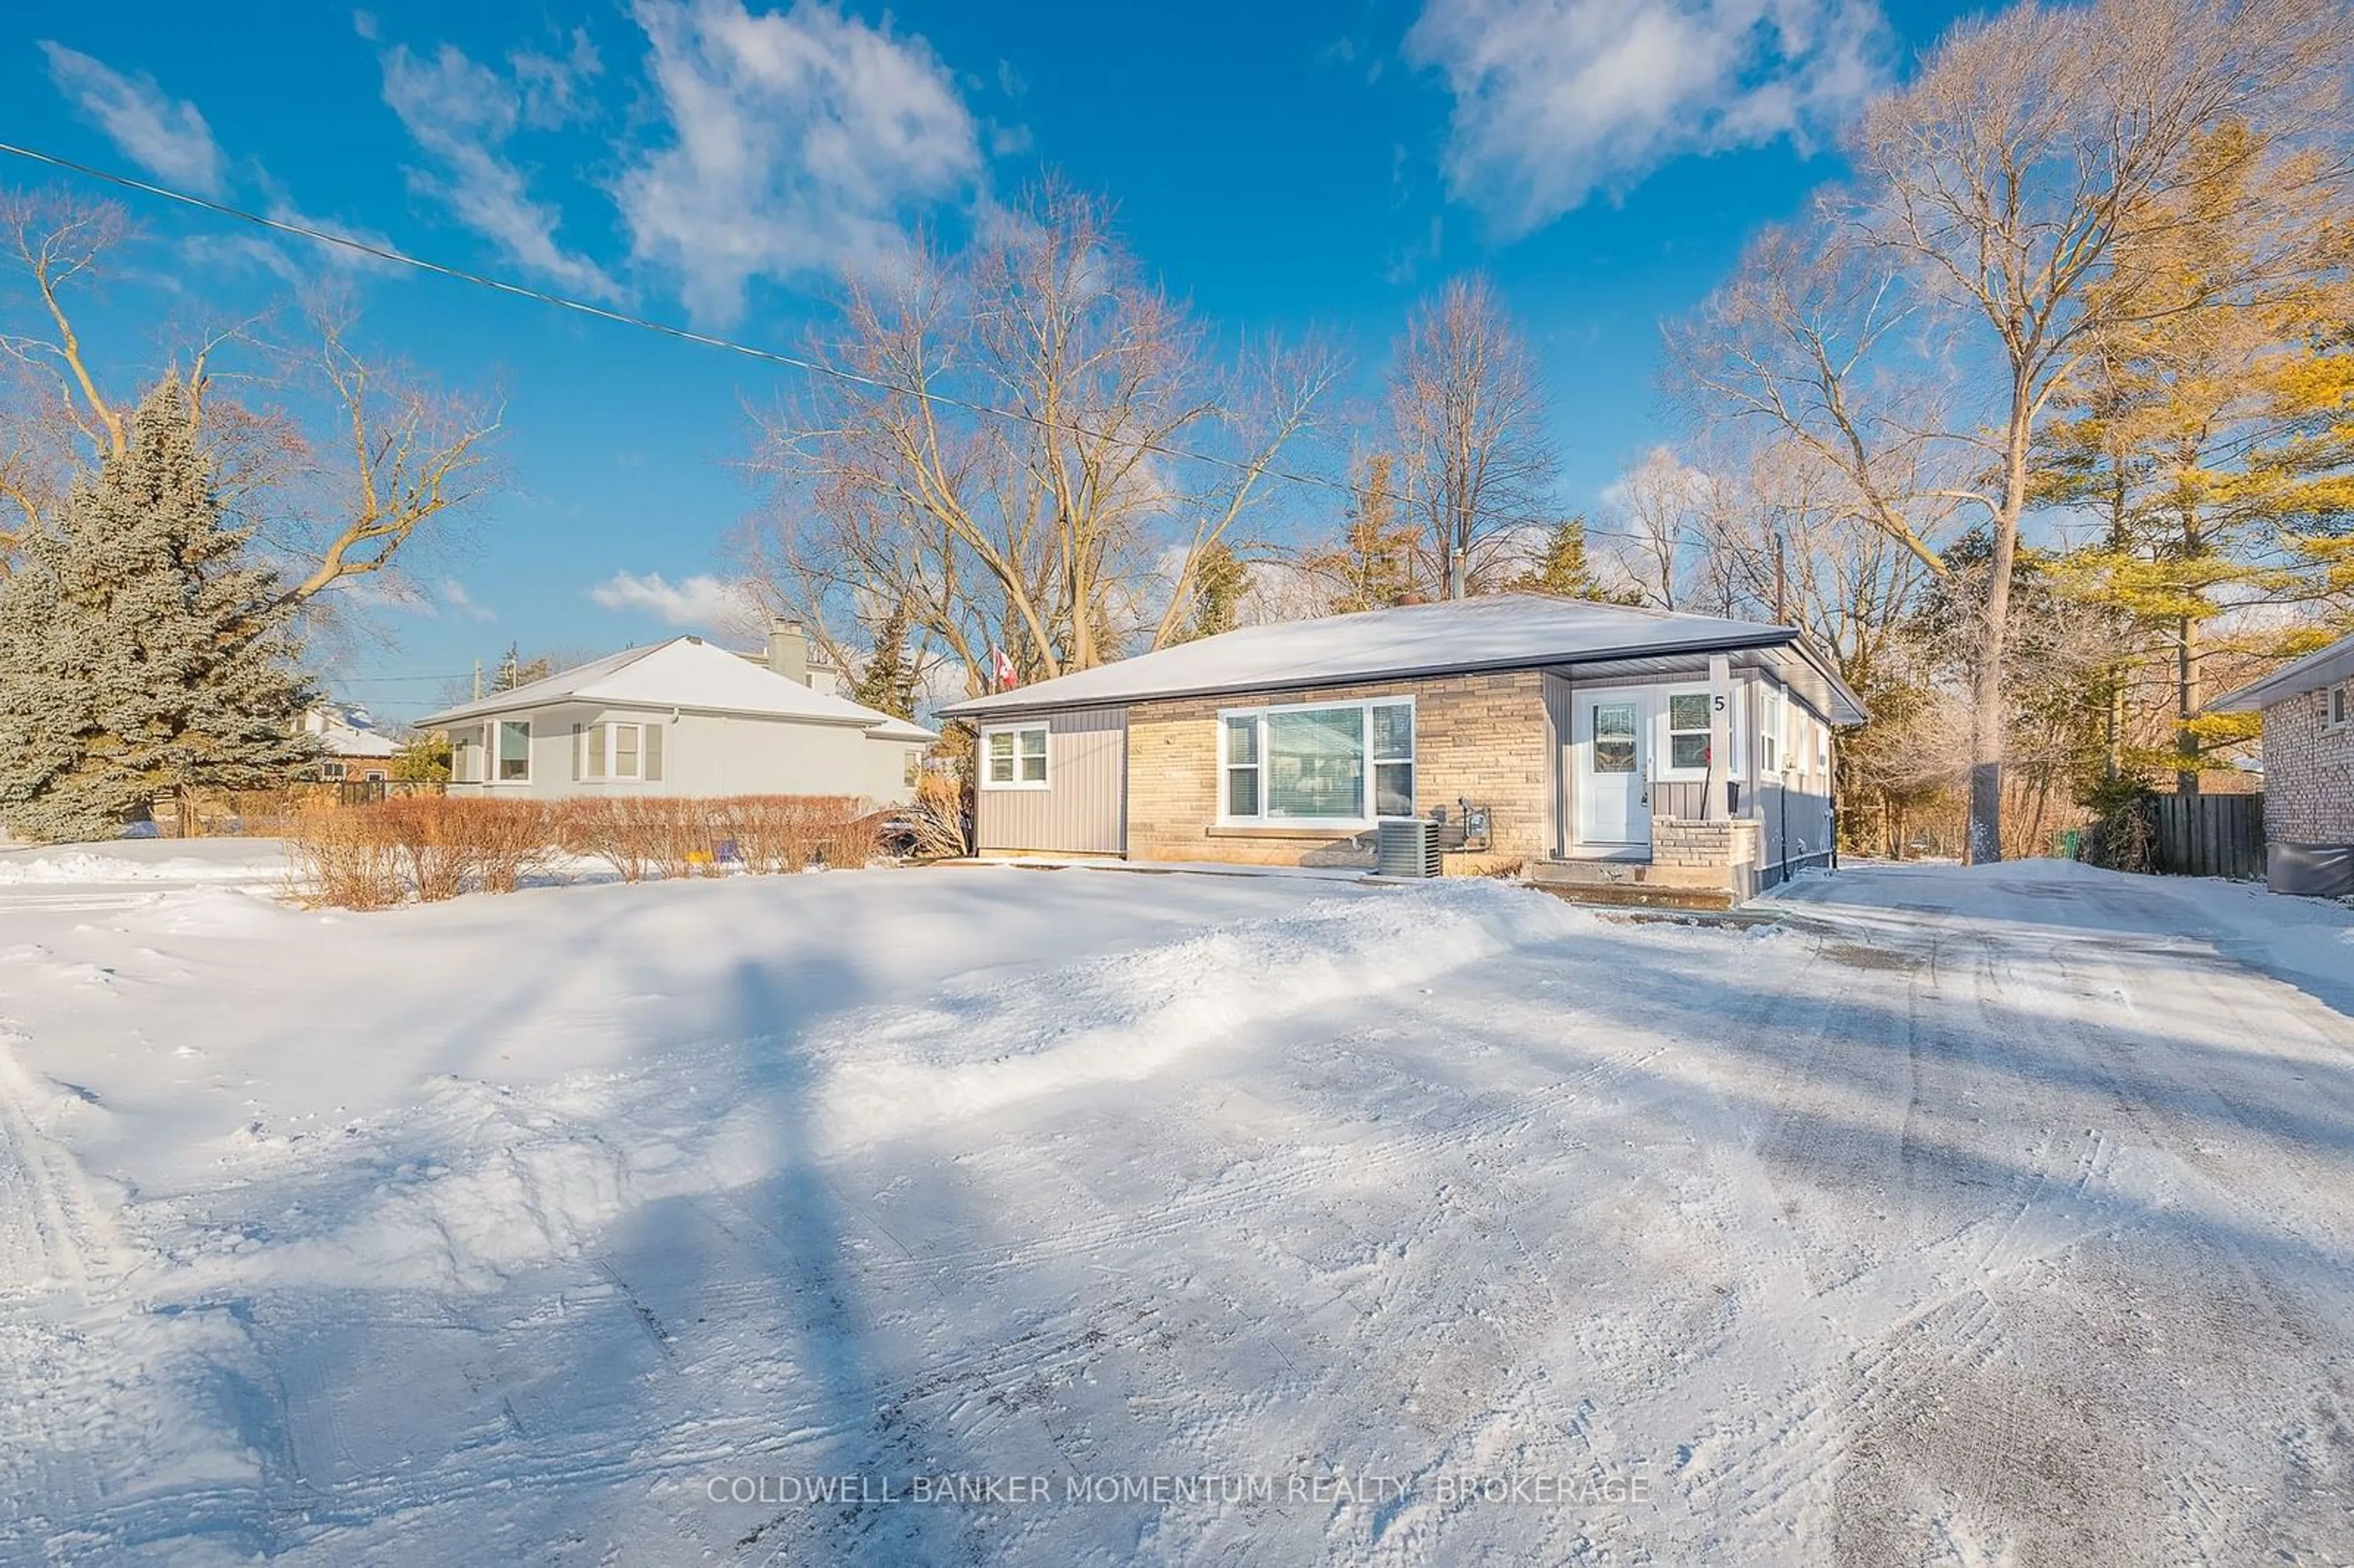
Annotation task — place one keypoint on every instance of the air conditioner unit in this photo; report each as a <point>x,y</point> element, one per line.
<point>1406,849</point>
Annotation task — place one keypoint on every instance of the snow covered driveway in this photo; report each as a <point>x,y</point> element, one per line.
<point>1970,1217</point>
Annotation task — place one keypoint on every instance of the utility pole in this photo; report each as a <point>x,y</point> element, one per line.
<point>478,680</point>
<point>1781,583</point>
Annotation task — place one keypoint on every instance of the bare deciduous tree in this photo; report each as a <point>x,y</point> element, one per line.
<point>1063,534</point>
<point>1916,330</point>
<point>1468,414</point>
<point>344,461</point>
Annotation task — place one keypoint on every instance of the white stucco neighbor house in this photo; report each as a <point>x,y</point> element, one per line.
<point>354,749</point>
<point>680,717</point>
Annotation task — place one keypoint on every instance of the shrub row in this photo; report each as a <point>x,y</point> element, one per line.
<point>433,847</point>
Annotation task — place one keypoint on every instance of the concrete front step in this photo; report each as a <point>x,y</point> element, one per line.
<point>1637,895</point>
<point>1636,884</point>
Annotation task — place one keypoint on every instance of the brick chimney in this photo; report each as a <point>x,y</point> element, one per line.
<point>789,650</point>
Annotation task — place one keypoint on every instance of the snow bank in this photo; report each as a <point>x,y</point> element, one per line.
<point>246,861</point>
<point>1131,1016</point>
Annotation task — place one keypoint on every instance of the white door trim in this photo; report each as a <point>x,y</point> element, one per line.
<point>1609,810</point>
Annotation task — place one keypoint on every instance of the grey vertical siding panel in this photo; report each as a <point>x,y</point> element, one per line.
<point>1680,798</point>
<point>1084,808</point>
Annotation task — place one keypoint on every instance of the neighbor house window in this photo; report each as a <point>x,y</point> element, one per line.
<point>1317,764</point>
<point>1688,732</point>
<point>466,755</point>
<point>1015,758</point>
<point>514,751</point>
<point>331,771</point>
<point>2339,702</point>
<point>628,751</point>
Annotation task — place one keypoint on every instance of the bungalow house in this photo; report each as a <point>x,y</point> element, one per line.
<point>680,717</point>
<point>2308,710</point>
<point>354,751</point>
<point>1596,743</point>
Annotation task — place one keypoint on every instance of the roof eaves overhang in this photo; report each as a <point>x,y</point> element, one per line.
<point>470,713</point>
<point>994,707</point>
<point>2326,667</point>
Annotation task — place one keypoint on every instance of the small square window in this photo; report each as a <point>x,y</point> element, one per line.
<point>1688,731</point>
<point>1013,759</point>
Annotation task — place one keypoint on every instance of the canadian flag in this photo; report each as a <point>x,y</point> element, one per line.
<point>1000,671</point>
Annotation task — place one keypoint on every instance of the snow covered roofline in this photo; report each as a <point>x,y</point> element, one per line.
<point>2310,674</point>
<point>1495,631</point>
<point>689,674</point>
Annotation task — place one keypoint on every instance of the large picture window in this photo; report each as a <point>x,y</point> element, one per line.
<point>1341,764</point>
<point>1014,758</point>
<point>514,751</point>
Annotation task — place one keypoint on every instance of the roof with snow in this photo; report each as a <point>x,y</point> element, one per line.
<point>1495,631</point>
<point>2310,674</point>
<point>688,673</point>
<point>340,736</point>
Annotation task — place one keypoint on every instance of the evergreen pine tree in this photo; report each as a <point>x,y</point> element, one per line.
<point>888,685</point>
<point>1220,581</point>
<point>143,651</point>
<point>1372,566</point>
<point>1565,572</point>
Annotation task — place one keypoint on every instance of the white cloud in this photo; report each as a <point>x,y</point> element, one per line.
<point>462,114</point>
<point>167,138</point>
<point>462,603</point>
<point>798,139</point>
<point>1558,101</point>
<point>555,87</point>
<point>697,601</point>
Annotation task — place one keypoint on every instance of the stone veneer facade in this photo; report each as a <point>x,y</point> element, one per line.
<point>1722,853</point>
<point>2308,774</point>
<point>1478,736</point>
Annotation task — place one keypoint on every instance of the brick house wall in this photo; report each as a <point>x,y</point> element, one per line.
<point>2308,774</point>
<point>1483,736</point>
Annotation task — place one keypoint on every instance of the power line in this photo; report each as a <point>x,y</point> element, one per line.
<point>707,340</point>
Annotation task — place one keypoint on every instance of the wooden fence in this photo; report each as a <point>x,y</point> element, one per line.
<point>2210,835</point>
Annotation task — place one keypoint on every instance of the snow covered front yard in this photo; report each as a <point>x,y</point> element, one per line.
<point>1963,1217</point>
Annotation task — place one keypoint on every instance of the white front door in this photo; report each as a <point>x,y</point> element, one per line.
<point>1610,738</point>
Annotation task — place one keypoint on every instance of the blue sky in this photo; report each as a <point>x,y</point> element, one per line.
<point>1285,166</point>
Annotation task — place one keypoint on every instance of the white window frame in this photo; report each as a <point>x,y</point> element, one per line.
<point>1364,707</point>
<point>597,751</point>
<point>1773,740</point>
<point>463,752</point>
<point>2337,707</point>
<point>497,748</point>
<point>1664,747</point>
<point>1046,752</point>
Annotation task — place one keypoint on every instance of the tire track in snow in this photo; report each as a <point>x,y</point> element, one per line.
<point>53,1232</point>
